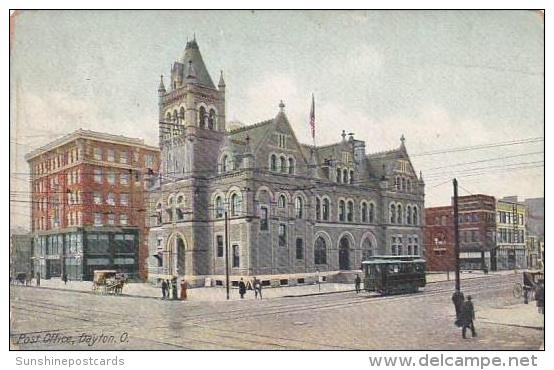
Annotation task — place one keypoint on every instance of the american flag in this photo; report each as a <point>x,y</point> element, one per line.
<point>312,117</point>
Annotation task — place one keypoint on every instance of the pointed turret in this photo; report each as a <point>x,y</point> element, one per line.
<point>221,83</point>
<point>161,88</point>
<point>191,73</point>
<point>193,59</point>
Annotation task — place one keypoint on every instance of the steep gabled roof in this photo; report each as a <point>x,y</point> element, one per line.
<point>256,133</point>
<point>192,60</point>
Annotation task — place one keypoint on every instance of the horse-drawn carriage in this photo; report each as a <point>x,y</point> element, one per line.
<point>109,282</point>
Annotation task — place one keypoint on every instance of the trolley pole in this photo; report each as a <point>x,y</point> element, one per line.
<point>227,253</point>
<point>456,234</point>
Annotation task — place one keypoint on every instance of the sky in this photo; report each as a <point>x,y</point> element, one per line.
<point>443,79</point>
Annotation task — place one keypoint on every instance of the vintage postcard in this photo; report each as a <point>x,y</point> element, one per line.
<point>277,180</point>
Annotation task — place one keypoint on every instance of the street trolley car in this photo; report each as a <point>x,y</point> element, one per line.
<point>394,274</point>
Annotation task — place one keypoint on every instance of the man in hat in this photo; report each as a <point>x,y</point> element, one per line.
<point>467,317</point>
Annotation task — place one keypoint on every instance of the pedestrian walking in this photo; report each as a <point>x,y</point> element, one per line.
<point>242,288</point>
<point>184,287</point>
<point>357,283</point>
<point>38,278</point>
<point>539,296</point>
<point>257,288</point>
<point>174,289</point>
<point>64,279</point>
<point>458,300</point>
<point>164,289</point>
<point>168,288</point>
<point>28,279</point>
<point>467,317</point>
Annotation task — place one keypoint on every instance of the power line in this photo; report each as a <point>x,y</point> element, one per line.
<point>485,160</point>
<point>480,146</point>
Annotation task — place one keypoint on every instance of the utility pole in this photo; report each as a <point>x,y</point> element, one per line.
<point>515,236</point>
<point>227,253</point>
<point>456,234</point>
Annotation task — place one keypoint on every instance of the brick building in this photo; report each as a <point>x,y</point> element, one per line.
<point>476,226</point>
<point>87,204</point>
<point>439,239</point>
<point>511,233</point>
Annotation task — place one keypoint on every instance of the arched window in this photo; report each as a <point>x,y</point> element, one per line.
<point>408,185</point>
<point>317,209</point>
<point>273,164</point>
<point>341,210</point>
<point>235,204</point>
<point>282,201</point>
<point>325,210</point>
<point>403,184</point>
<point>168,117</point>
<point>283,164</point>
<point>291,166</point>
<point>350,211</point>
<point>211,119</point>
<point>180,214</point>
<point>345,176</point>
<point>182,114</point>
<point>399,214</point>
<point>367,249</point>
<point>409,215</point>
<point>218,207</point>
<point>339,172</point>
<point>224,167</point>
<point>392,213</point>
<point>397,182</point>
<point>175,116</point>
<point>415,221</point>
<point>351,176</point>
<point>202,117</point>
<point>320,251</point>
<point>298,207</point>
<point>371,213</point>
<point>364,212</point>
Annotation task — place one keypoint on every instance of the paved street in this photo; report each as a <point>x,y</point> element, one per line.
<point>54,319</point>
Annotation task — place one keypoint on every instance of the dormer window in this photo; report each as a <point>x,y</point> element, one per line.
<point>273,163</point>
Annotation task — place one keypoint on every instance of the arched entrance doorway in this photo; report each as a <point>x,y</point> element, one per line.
<point>174,255</point>
<point>367,249</point>
<point>344,254</point>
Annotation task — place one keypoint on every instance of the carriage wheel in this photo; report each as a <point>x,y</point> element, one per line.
<point>518,290</point>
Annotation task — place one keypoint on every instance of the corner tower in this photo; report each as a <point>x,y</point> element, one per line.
<point>191,99</point>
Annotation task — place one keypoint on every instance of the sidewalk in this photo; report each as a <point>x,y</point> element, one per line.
<point>146,290</point>
<point>518,315</point>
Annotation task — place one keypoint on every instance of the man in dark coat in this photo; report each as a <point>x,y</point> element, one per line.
<point>357,283</point>
<point>164,288</point>
<point>539,296</point>
<point>64,279</point>
<point>458,300</point>
<point>174,289</point>
<point>242,288</point>
<point>467,317</point>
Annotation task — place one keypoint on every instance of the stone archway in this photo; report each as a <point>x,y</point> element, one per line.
<point>344,254</point>
<point>174,255</point>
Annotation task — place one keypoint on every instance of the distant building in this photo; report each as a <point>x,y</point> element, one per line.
<point>88,213</point>
<point>535,228</point>
<point>511,219</point>
<point>21,248</point>
<point>439,239</point>
<point>476,227</point>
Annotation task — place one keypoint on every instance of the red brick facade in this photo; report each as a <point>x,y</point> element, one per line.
<point>95,181</point>
<point>439,239</point>
<point>477,223</point>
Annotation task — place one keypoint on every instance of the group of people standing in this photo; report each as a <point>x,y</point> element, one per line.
<point>255,285</point>
<point>169,289</point>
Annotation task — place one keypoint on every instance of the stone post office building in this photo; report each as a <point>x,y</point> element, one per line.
<point>295,211</point>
